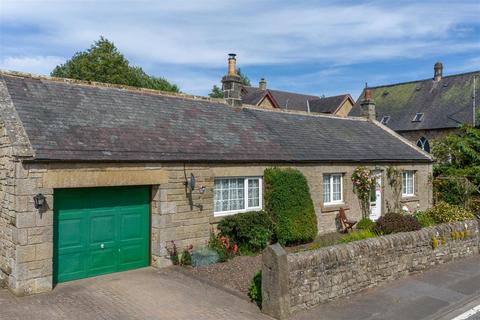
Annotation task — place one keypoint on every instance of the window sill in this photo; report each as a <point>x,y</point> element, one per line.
<point>231,213</point>
<point>409,198</point>
<point>334,207</point>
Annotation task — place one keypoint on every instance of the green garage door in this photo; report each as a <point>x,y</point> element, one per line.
<point>99,231</point>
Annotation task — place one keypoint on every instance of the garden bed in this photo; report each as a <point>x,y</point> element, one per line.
<point>234,274</point>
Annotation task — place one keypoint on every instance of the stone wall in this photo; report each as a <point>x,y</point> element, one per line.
<point>176,213</point>
<point>7,215</point>
<point>329,273</point>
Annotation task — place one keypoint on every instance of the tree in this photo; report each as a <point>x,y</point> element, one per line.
<point>457,169</point>
<point>216,91</point>
<point>243,78</point>
<point>103,62</point>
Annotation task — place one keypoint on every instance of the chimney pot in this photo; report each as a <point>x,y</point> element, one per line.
<point>262,84</point>
<point>232,64</point>
<point>438,70</point>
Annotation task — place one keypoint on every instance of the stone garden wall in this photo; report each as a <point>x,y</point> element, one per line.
<point>329,273</point>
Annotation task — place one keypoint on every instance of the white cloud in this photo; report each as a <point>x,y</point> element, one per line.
<point>37,64</point>
<point>198,34</point>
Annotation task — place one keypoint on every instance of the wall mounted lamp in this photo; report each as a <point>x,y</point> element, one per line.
<point>39,201</point>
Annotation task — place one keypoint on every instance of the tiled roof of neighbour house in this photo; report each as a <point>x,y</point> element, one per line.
<point>328,104</point>
<point>294,101</point>
<point>445,103</point>
<point>70,121</point>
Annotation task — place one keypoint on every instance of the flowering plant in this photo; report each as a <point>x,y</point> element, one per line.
<point>225,248</point>
<point>363,184</point>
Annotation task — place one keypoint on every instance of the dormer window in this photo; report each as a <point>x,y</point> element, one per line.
<point>385,119</point>
<point>418,117</point>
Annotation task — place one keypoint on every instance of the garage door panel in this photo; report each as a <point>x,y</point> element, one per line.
<point>73,266</point>
<point>102,227</point>
<point>132,256</point>
<point>72,236</point>
<point>100,230</point>
<point>103,260</point>
<point>132,224</point>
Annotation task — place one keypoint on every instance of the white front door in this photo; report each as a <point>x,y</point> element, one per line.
<point>376,198</point>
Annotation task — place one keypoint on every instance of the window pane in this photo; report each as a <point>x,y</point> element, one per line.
<point>253,192</point>
<point>228,195</point>
<point>407,183</point>
<point>326,188</point>
<point>337,188</point>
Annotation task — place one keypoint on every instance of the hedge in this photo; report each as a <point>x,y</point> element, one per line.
<point>288,202</point>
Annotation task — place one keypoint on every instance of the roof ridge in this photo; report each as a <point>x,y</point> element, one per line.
<point>97,84</point>
<point>422,80</point>
<point>304,113</point>
<point>132,89</point>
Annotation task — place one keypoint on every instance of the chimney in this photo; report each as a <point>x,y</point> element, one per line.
<point>368,105</point>
<point>262,84</point>
<point>231,83</point>
<point>438,70</point>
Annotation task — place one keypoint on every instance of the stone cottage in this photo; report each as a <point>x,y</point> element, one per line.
<point>425,110</point>
<point>98,178</point>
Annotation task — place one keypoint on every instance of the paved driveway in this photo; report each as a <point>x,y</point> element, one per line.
<point>141,294</point>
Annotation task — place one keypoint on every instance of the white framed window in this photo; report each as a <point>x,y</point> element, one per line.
<point>332,188</point>
<point>238,194</point>
<point>408,180</point>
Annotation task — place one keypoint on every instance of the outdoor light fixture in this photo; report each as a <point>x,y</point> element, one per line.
<point>39,201</point>
<point>202,189</point>
<point>190,183</point>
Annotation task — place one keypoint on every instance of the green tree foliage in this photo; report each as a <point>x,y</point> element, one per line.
<point>243,78</point>
<point>458,154</point>
<point>216,91</point>
<point>102,62</point>
<point>288,201</point>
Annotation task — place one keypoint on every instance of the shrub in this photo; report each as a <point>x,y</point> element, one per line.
<point>186,259</point>
<point>251,231</point>
<point>358,235</point>
<point>444,212</point>
<point>288,202</point>
<point>424,219</point>
<point>204,257</point>
<point>255,289</point>
<point>396,222</point>
<point>365,224</point>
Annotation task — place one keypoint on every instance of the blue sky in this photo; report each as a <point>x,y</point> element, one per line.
<point>315,47</point>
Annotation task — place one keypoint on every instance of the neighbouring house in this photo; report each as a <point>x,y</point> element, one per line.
<point>424,110</point>
<point>261,96</point>
<point>98,178</point>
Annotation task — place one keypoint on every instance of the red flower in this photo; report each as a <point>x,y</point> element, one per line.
<point>235,248</point>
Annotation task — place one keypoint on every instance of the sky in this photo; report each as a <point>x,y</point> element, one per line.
<point>314,47</point>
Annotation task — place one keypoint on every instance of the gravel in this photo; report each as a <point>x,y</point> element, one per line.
<point>235,274</point>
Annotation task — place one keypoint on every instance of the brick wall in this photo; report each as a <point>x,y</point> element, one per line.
<point>329,273</point>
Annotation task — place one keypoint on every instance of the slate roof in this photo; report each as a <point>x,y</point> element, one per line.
<point>294,101</point>
<point>445,103</point>
<point>77,122</point>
